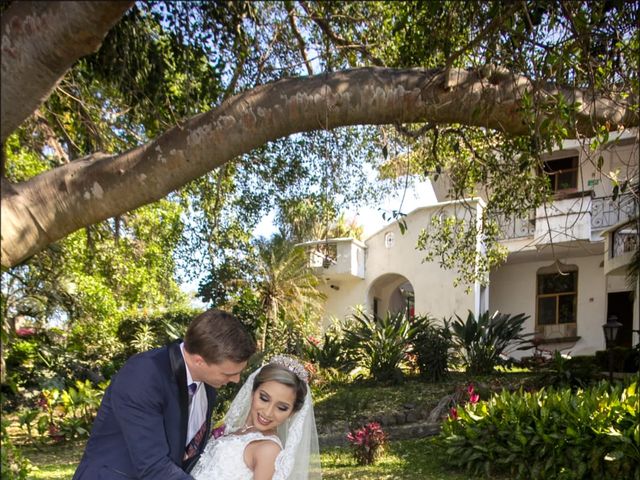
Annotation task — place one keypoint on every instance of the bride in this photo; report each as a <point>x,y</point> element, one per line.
<point>270,430</point>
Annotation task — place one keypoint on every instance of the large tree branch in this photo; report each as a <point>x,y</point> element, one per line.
<point>58,202</point>
<point>40,42</point>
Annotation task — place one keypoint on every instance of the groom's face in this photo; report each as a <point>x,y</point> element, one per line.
<point>217,374</point>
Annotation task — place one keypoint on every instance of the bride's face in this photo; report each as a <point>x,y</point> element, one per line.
<point>271,405</point>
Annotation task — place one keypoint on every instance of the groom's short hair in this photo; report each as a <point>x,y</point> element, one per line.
<point>217,336</point>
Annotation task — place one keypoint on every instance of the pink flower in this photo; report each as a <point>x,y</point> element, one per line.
<point>474,398</point>
<point>25,332</point>
<point>453,413</point>
<point>470,389</point>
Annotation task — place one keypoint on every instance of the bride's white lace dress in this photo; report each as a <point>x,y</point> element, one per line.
<point>223,458</point>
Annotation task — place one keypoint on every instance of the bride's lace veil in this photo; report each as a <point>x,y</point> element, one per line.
<point>300,457</point>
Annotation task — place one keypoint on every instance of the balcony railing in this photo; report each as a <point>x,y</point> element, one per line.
<point>604,211</point>
<point>625,239</point>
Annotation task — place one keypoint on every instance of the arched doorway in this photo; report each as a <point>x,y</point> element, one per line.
<point>391,293</point>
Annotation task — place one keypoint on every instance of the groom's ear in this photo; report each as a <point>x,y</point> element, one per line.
<point>199,360</point>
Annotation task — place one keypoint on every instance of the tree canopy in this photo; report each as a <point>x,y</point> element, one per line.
<point>228,109</point>
<point>181,87</point>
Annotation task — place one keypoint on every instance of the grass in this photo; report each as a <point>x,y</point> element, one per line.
<point>54,461</point>
<point>403,460</point>
<point>346,402</point>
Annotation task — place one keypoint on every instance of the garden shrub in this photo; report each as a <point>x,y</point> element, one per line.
<point>568,372</point>
<point>64,414</point>
<point>327,353</point>
<point>431,345</point>
<point>560,434</point>
<point>484,340</point>
<point>13,465</point>
<point>43,360</point>
<point>625,359</point>
<point>379,344</point>
<point>153,329</point>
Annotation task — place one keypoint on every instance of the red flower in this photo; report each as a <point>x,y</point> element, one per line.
<point>470,389</point>
<point>474,398</point>
<point>453,413</point>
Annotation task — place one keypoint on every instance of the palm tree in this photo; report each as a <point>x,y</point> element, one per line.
<point>286,285</point>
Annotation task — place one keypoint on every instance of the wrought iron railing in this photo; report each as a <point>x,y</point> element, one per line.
<point>514,227</point>
<point>625,239</point>
<point>605,212</point>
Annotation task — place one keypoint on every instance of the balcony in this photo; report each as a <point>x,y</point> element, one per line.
<point>337,258</point>
<point>570,219</point>
<point>622,241</point>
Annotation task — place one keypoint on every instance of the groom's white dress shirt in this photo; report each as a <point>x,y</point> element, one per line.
<point>198,407</point>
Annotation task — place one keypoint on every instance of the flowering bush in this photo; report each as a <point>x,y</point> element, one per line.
<point>64,414</point>
<point>473,398</point>
<point>367,442</point>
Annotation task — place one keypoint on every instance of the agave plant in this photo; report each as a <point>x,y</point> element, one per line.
<point>379,344</point>
<point>481,341</point>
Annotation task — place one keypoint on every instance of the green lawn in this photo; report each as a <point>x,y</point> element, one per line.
<point>403,460</point>
<point>55,462</point>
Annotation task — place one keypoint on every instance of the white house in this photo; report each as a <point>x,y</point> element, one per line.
<point>565,269</point>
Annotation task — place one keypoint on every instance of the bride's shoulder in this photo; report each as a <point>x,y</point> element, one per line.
<point>262,451</point>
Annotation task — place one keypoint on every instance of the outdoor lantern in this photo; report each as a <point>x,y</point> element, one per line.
<point>610,335</point>
<point>611,330</point>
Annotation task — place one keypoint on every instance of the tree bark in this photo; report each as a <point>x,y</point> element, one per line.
<point>40,42</point>
<point>60,201</point>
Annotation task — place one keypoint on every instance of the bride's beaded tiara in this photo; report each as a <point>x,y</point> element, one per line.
<point>292,365</point>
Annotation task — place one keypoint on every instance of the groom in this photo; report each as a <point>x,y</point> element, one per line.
<point>155,417</point>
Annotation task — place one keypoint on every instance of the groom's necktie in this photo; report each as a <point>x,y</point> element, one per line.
<point>192,391</point>
<point>192,447</point>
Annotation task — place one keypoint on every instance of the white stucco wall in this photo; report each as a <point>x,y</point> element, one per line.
<point>513,290</point>
<point>433,287</point>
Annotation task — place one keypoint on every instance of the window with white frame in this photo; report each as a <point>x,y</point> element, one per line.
<point>557,295</point>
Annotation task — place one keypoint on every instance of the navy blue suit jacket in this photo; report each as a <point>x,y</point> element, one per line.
<point>141,427</point>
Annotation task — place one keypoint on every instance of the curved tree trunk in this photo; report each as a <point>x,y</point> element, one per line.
<point>40,42</point>
<point>60,201</point>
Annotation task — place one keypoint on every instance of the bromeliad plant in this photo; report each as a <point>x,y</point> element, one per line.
<point>482,341</point>
<point>367,442</point>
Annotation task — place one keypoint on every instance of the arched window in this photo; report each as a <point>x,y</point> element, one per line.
<point>557,295</point>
